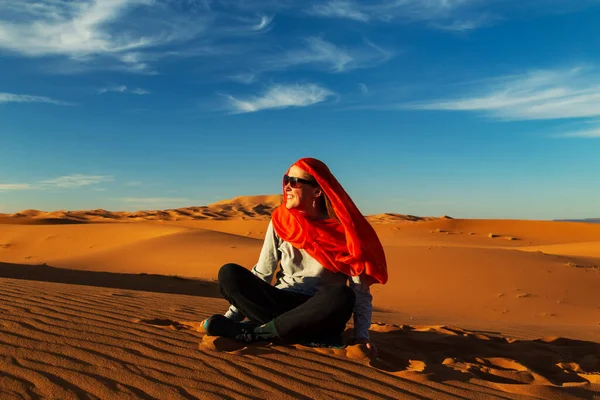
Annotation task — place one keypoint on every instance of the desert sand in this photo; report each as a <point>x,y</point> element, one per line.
<point>99,304</point>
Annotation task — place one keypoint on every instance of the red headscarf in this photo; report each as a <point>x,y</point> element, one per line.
<point>350,246</point>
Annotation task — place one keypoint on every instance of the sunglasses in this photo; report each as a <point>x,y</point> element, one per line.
<point>295,182</point>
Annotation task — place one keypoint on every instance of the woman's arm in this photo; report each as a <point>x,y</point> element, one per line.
<point>363,308</point>
<point>269,256</point>
<point>264,269</point>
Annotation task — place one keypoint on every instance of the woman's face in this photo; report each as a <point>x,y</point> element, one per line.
<point>303,196</point>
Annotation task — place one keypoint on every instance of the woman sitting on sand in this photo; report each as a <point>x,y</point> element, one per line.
<point>321,241</point>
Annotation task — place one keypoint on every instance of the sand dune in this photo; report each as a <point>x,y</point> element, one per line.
<point>69,341</point>
<point>473,309</point>
<point>584,249</point>
<point>243,207</point>
<point>200,253</point>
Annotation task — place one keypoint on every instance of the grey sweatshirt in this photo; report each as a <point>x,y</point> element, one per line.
<point>301,273</point>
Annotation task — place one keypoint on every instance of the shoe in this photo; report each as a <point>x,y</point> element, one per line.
<point>220,325</point>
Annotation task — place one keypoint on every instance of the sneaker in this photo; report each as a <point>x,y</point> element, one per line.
<point>220,325</point>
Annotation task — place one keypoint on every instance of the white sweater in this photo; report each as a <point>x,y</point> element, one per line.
<point>298,272</point>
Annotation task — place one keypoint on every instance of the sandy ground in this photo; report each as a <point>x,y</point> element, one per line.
<point>107,305</point>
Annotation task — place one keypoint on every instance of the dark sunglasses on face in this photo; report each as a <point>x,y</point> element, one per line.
<point>295,182</point>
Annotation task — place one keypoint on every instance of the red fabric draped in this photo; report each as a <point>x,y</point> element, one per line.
<point>350,246</point>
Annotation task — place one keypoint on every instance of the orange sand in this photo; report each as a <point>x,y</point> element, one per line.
<point>109,304</point>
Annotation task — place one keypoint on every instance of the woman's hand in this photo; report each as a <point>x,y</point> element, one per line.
<point>370,346</point>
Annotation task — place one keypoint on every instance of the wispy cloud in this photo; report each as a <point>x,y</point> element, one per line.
<point>340,9</point>
<point>123,89</point>
<point>546,94</point>
<point>25,98</point>
<point>281,96</point>
<point>246,78</point>
<point>264,24</point>
<point>15,186</point>
<point>538,95</point>
<point>464,25</point>
<point>365,11</point>
<point>589,133</point>
<point>87,29</point>
<point>316,51</point>
<point>139,91</point>
<point>138,62</point>
<point>449,15</point>
<point>320,52</point>
<point>75,180</point>
<point>364,89</point>
<point>65,182</point>
<point>72,28</point>
<point>137,36</point>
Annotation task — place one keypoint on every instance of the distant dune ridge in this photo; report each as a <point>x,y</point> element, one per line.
<point>592,220</point>
<point>110,304</point>
<point>243,207</point>
<point>256,207</point>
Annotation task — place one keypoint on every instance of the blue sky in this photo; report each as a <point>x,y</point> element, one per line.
<point>467,108</point>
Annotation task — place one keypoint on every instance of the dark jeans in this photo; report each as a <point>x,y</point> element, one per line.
<point>297,317</point>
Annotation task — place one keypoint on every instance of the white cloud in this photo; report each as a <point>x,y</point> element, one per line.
<point>449,15</point>
<point>363,88</point>
<point>86,30</point>
<point>138,62</point>
<point>590,133</point>
<point>317,51</point>
<point>123,89</point>
<point>323,53</point>
<point>340,9</point>
<point>69,28</point>
<point>15,186</point>
<point>119,89</point>
<point>282,96</point>
<point>75,180</point>
<point>568,94</point>
<point>544,95</point>
<point>462,25</point>
<point>139,91</point>
<point>68,181</point>
<point>365,11</point>
<point>264,24</point>
<point>24,98</point>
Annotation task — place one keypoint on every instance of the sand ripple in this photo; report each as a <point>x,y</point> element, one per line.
<point>78,342</point>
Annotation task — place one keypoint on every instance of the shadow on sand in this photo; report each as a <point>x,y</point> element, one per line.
<point>544,368</point>
<point>444,352</point>
<point>145,282</point>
